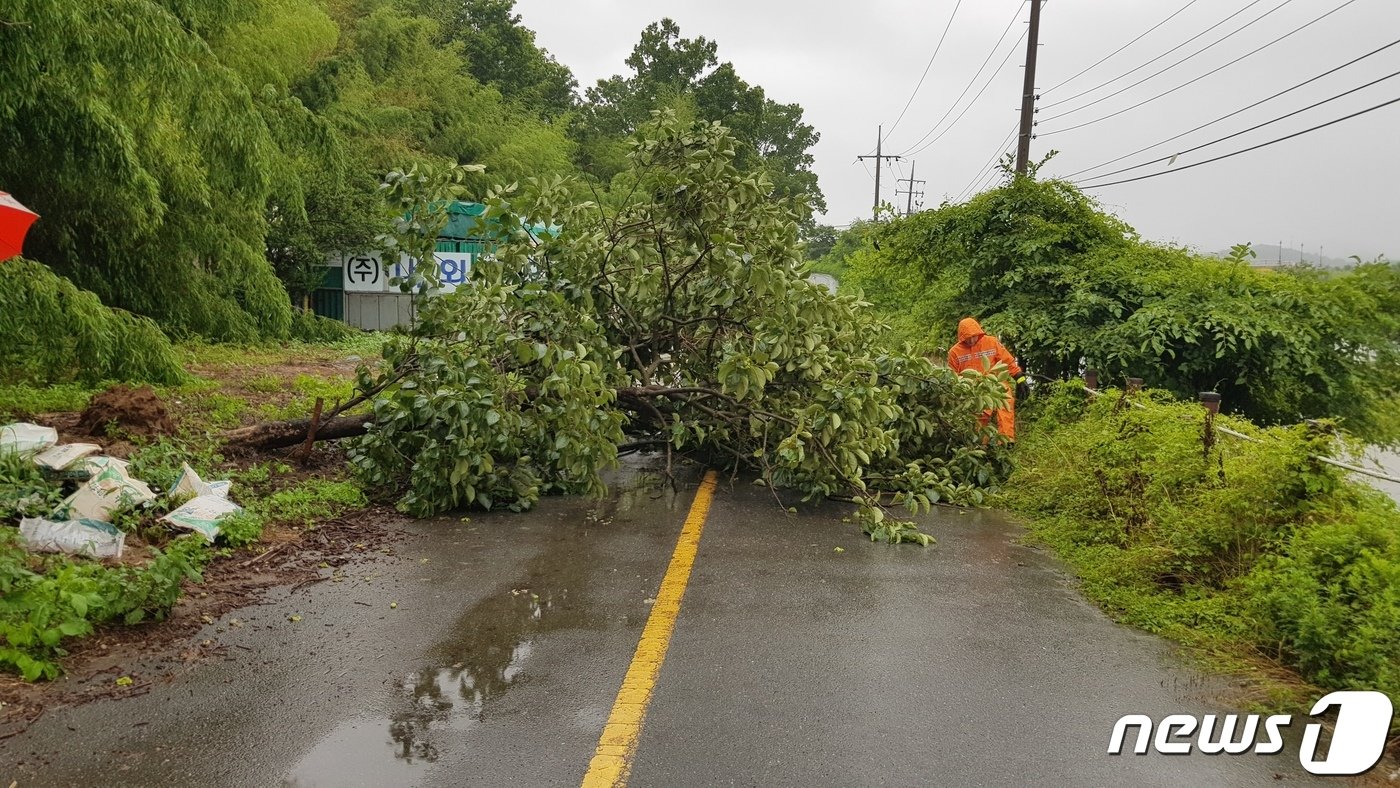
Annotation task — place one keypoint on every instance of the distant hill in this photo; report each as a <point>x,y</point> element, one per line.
<point>1273,254</point>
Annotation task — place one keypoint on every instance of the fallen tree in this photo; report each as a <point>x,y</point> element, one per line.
<point>281,434</point>
<point>673,314</point>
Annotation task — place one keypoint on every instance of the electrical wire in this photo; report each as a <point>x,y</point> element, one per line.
<point>1194,80</point>
<point>1329,72</point>
<point>973,81</point>
<point>932,57</point>
<point>972,187</point>
<point>970,104</point>
<point>1246,131</point>
<point>1247,150</point>
<point>981,171</point>
<point>1119,49</point>
<point>1162,71</point>
<point>1155,59</point>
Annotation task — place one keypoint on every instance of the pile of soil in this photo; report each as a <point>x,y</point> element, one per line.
<point>134,411</point>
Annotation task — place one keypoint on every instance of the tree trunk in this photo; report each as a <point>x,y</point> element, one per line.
<point>280,434</point>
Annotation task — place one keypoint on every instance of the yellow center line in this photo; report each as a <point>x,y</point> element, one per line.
<point>613,759</point>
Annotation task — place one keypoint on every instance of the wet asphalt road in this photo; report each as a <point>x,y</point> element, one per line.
<point>973,663</point>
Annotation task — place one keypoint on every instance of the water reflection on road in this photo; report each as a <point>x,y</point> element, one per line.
<point>485,653</point>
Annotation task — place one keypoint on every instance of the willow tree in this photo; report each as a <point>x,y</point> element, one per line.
<point>146,157</point>
<point>680,322</point>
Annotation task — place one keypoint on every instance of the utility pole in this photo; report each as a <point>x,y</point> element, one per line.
<point>909,208</point>
<point>879,134</point>
<point>1028,97</point>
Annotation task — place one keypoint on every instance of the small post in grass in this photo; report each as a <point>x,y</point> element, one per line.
<point>1091,379</point>
<point>1211,401</point>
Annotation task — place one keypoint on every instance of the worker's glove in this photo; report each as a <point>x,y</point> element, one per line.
<point>1023,389</point>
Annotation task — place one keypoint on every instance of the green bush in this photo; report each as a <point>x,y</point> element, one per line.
<point>52,332</point>
<point>1250,546</point>
<point>1063,283</point>
<point>310,327</point>
<point>45,600</point>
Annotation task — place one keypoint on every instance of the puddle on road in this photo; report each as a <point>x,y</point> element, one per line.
<point>487,652</point>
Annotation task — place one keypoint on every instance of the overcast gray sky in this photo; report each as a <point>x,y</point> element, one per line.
<point>853,66</point>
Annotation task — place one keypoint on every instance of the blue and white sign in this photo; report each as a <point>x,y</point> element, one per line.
<point>366,272</point>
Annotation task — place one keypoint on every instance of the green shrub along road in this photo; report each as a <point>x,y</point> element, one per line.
<point>1063,283</point>
<point>1244,549</point>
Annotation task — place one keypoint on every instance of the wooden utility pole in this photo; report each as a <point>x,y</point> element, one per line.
<point>909,208</point>
<point>1028,97</point>
<point>879,134</point>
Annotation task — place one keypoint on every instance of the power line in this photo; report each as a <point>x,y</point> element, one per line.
<point>1197,79</point>
<point>1159,57</point>
<point>970,104</point>
<point>972,81</point>
<point>936,49</point>
<point>981,171</point>
<point>1119,49</point>
<point>1160,72</point>
<point>1251,128</point>
<point>1247,150</point>
<point>991,165</point>
<point>1329,72</point>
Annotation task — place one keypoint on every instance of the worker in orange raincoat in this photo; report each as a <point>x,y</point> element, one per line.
<point>976,350</point>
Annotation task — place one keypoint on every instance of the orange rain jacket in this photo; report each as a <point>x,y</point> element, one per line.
<point>976,350</point>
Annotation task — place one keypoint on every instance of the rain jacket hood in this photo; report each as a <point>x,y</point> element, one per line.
<point>969,329</point>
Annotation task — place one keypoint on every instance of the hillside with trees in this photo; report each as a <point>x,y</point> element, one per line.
<point>220,150</point>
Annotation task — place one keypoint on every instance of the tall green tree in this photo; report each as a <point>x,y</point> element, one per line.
<point>501,52</point>
<point>667,68</point>
<point>146,156</point>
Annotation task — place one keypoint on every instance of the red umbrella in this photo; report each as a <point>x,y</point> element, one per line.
<point>14,223</point>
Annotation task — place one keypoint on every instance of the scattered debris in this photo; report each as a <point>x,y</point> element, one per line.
<point>24,438</point>
<point>202,515</point>
<point>109,489</point>
<point>59,458</point>
<point>189,484</point>
<point>92,538</point>
<point>82,523</point>
<point>135,411</point>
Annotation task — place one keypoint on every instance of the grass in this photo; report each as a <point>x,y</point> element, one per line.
<point>20,401</point>
<point>305,390</point>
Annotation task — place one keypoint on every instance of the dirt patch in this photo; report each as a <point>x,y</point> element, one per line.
<point>134,411</point>
<point>158,652</point>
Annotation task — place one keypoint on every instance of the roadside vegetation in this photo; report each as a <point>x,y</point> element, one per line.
<point>1252,552</point>
<point>1065,284</point>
